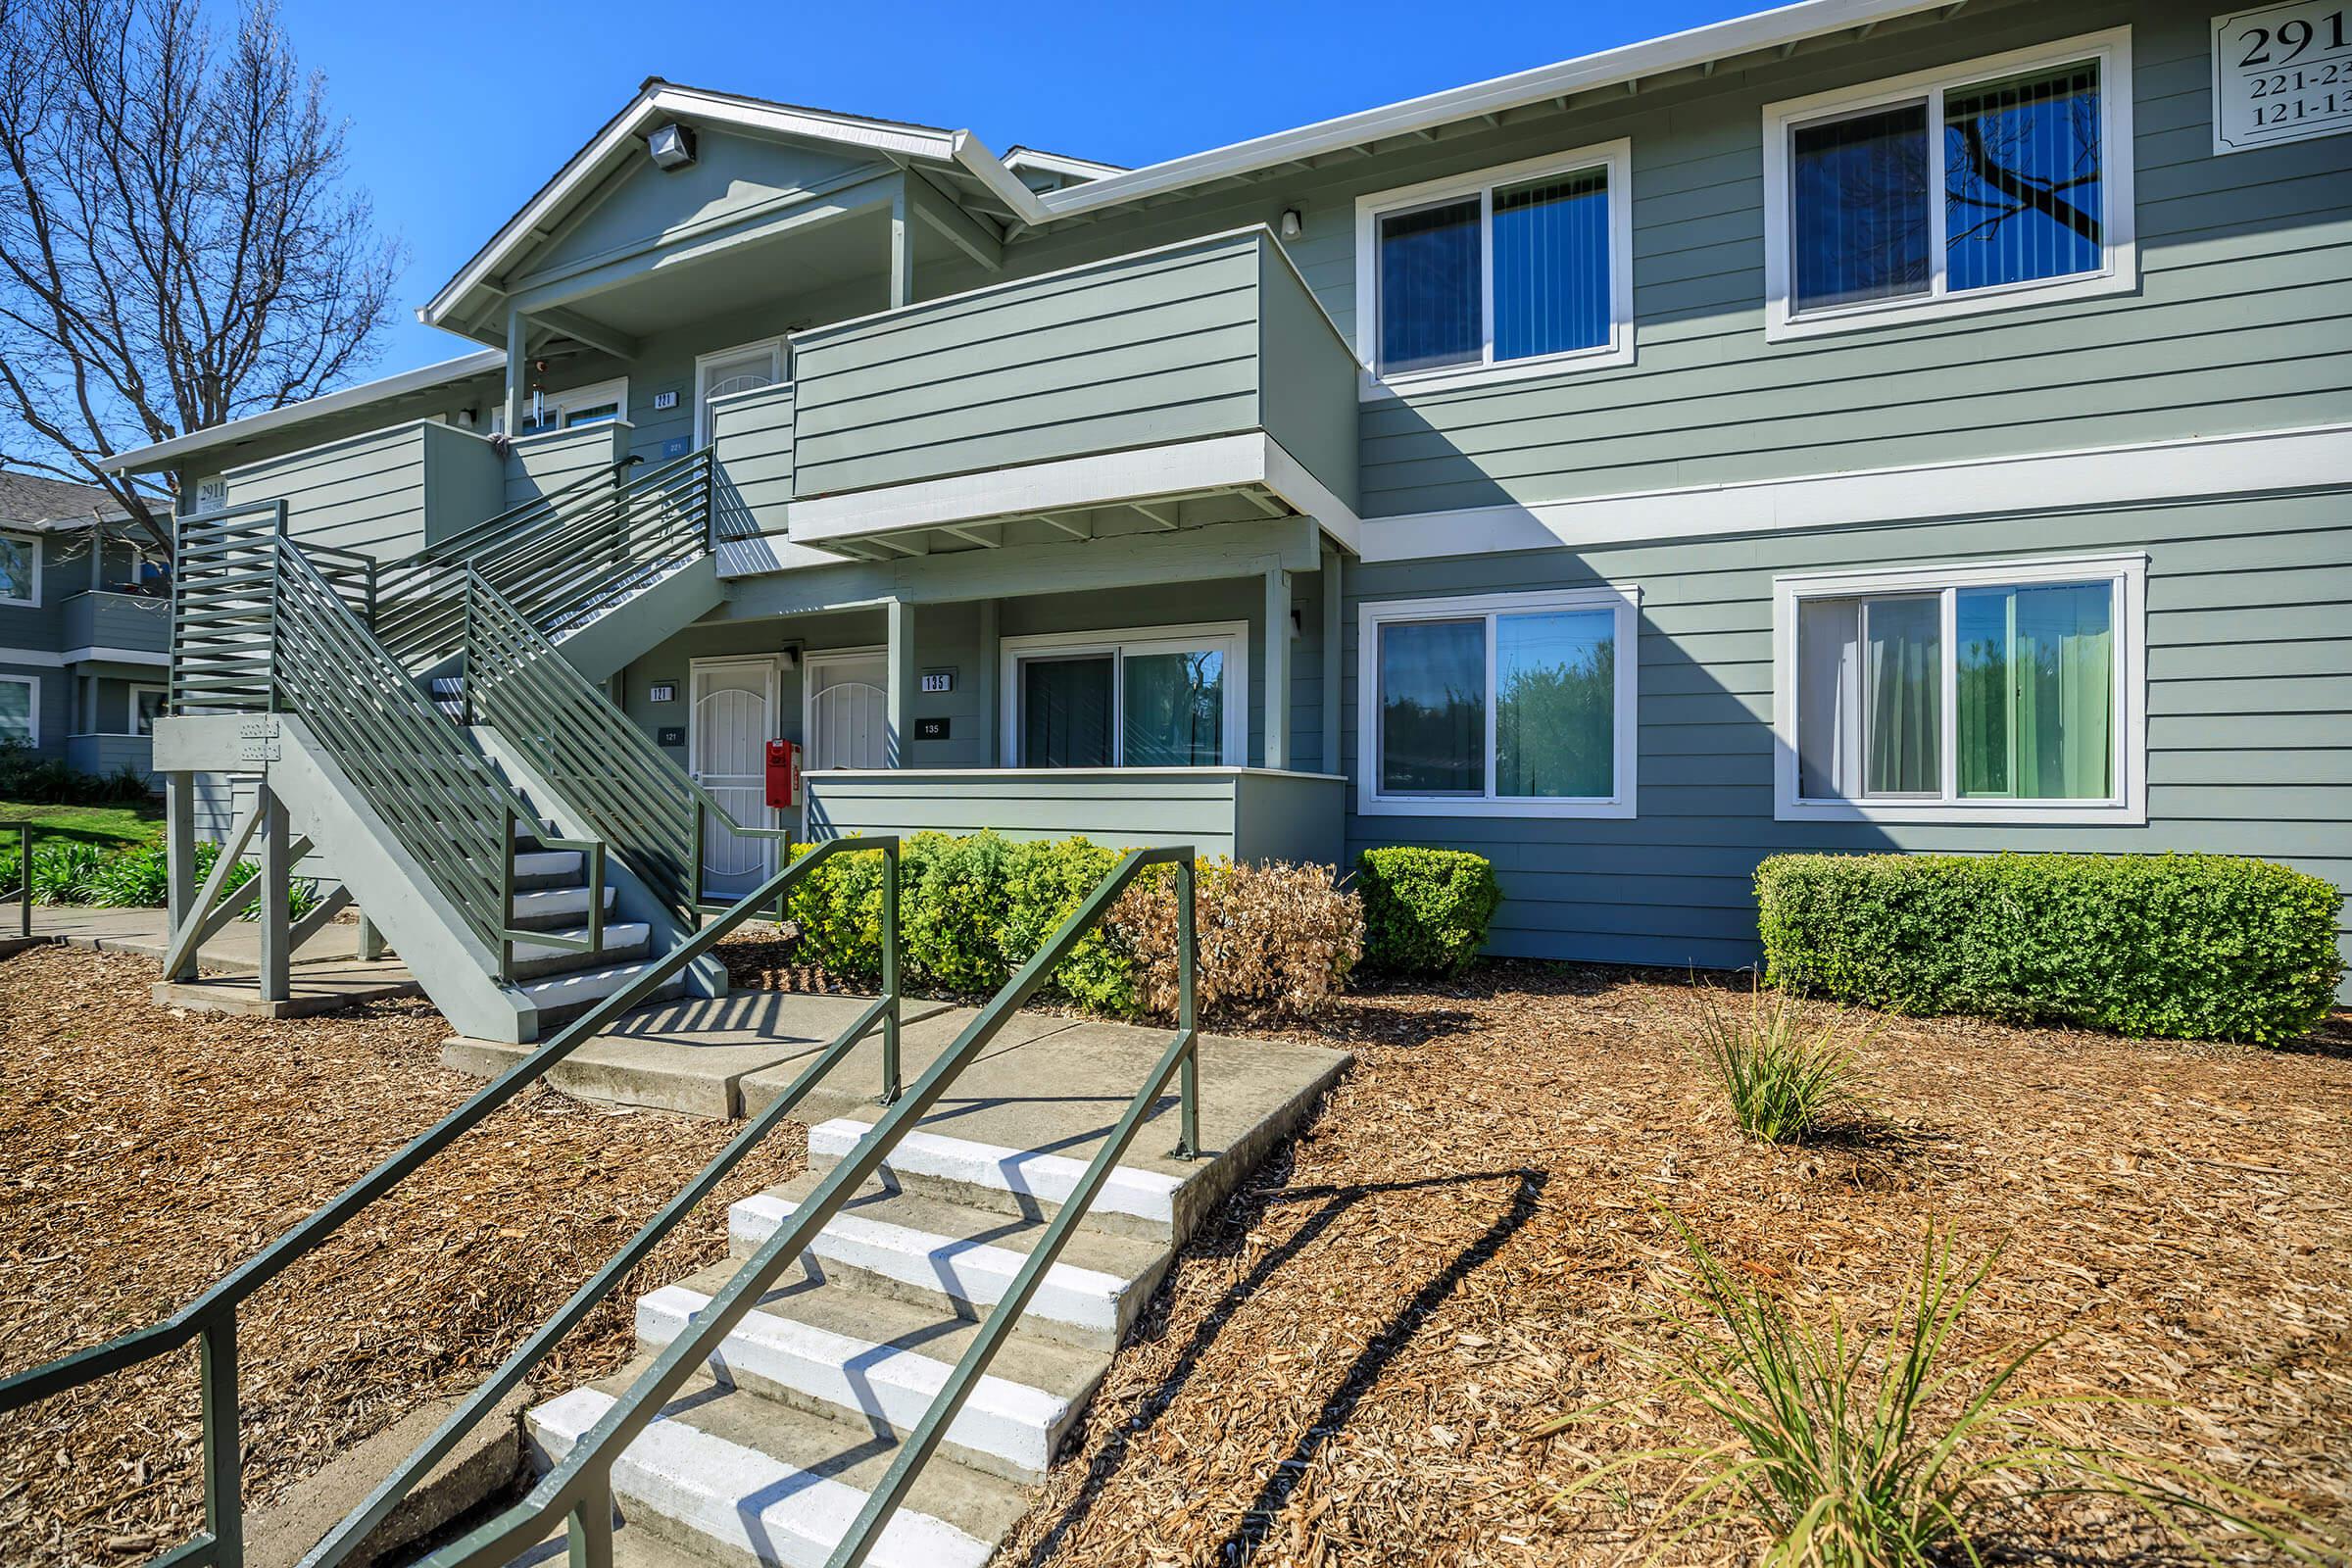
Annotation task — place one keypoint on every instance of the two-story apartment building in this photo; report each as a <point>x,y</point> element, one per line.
<point>84,626</point>
<point>1868,424</point>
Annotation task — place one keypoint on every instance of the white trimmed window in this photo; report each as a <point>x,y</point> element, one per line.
<point>1498,705</point>
<point>1521,271</point>
<point>19,569</point>
<point>2003,181</point>
<point>20,708</point>
<point>601,402</point>
<point>1154,697</point>
<point>2007,693</point>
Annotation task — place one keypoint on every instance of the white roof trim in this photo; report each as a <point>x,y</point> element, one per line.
<point>1675,51</point>
<point>421,379</point>
<point>1059,164</point>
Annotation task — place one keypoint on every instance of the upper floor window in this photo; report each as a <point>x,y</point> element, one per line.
<point>1963,693</point>
<point>19,569</point>
<point>1502,704</point>
<point>603,403</point>
<point>1519,271</point>
<point>2003,181</point>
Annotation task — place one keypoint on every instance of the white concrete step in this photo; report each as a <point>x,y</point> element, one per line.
<point>548,869</point>
<point>962,1260</point>
<point>751,1483</point>
<point>878,1365</point>
<point>542,907</point>
<point>1012,1181</point>
<point>623,940</point>
<point>559,997</point>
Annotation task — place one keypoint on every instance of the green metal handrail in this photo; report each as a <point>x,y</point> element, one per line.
<point>211,1320</point>
<point>22,891</point>
<point>579,1487</point>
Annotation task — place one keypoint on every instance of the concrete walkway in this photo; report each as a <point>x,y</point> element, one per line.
<point>1047,1082</point>
<point>327,972</point>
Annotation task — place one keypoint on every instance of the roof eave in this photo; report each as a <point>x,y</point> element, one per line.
<point>1694,47</point>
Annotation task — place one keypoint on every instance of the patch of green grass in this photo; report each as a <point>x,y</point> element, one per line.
<point>107,827</point>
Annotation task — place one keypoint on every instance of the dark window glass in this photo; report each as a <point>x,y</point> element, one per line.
<point>1551,265</point>
<point>1066,712</point>
<point>1429,287</point>
<point>1433,708</point>
<point>1861,208</point>
<point>2022,180</point>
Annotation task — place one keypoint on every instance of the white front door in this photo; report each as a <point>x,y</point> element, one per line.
<point>730,718</point>
<point>743,369</point>
<point>848,716</point>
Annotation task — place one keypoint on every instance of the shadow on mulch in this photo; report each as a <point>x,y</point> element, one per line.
<point>1233,1235</point>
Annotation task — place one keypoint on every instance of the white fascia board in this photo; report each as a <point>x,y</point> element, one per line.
<point>2316,456</point>
<point>99,652</point>
<point>421,379</point>
<point>1103,479</point>
<point>1675,51</point>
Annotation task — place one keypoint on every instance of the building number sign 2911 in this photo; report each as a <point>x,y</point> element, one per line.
<point>2282,73</point>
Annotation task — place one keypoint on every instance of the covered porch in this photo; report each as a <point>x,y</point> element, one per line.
<point>1138,692</point>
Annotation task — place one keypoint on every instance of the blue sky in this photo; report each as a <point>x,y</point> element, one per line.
<point>459,111</point>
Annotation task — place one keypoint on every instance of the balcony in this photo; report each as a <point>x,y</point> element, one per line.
<point>1194,384</point>
<point>105,755</point>
<point>104,625</point>
<point>385,492</point>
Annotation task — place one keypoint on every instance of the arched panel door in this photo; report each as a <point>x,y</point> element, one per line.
<point>849,710</point>
<point>733,718</point>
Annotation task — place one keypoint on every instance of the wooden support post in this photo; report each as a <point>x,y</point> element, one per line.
<point>1277,668</point>
<point>901,249</point>
<point>990,721</point>
<point>271,888</point>
<point>900,690</point>
<point>371,941</point>
<point>518,370</point>
<point>1333,633</point>
<point>180,862</point>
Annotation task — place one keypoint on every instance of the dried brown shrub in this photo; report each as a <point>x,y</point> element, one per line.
<point>1272,935</point>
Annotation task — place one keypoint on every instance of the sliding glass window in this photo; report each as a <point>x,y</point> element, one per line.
<point>1518,267</point>
<point>1154,699</point>
<point>1513,702</point>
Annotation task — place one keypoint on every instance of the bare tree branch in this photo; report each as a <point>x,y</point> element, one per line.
<point>177,247</point>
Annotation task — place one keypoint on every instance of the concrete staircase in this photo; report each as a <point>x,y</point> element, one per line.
<point>765,1458</point>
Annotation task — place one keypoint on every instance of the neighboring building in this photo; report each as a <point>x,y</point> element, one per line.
<point>85,629</point>
<point>1870,425</point>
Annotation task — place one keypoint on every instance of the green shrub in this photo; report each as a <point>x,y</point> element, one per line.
<point>62,873</point>
<point>26,776</point>
<point>973,910</point>
<point>2205,947</point>
<point>1426,912</point>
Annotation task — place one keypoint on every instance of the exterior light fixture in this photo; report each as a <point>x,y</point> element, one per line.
<point>1292,224</point>
<point>671,145</point>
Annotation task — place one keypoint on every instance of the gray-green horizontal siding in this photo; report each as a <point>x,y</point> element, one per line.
<point>540,464</point>
<point>376,491</point>
<point>136,621</point>
<point>105,755</point>
<point>2249,658</point>
<point>1143,811</point>
<point>751,448</point>
<point>1138,352</point>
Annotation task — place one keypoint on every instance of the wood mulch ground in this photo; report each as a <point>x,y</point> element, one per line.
<point>1348,1367</point>
<point>144,1151</point>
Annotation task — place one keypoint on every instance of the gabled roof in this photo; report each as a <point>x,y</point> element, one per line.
<point>658,101</point>
<point>30,500</point>
<point>421,379</point>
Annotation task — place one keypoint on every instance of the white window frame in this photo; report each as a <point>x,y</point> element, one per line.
<point>2110,49</point>
<point>136,686</point>
<point>1614,157</point>
<point>32,715</point>
<point>702,405</point>
<point>1372,801</point>
<point>615,390</point>
<point>2127,806</point>
<point>33,549</point>
<point>1230,638</point>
